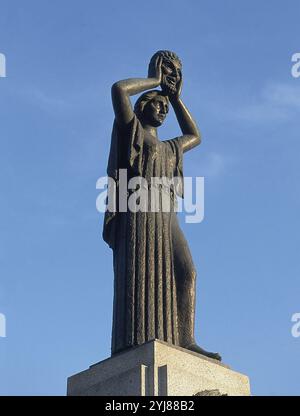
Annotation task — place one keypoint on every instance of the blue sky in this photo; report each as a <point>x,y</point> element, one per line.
<point>55,125</point>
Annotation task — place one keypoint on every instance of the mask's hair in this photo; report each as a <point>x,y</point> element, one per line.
<point>144,99</point>
<point>165,54</point>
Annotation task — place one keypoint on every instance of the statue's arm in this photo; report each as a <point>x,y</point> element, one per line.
<point>191,136</point>
<point>122,90</point>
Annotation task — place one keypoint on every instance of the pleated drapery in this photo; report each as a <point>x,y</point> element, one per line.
<point>145,305</point>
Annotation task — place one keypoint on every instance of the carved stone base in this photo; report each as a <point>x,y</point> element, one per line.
<point>158,369</point>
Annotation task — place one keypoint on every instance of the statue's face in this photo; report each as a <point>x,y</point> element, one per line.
<point>171,75</point>
<point>156,111</point>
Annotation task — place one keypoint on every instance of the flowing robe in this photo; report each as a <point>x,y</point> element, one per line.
<point>145,304</point>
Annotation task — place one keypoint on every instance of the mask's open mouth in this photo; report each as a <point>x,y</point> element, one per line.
<point>170,83</point>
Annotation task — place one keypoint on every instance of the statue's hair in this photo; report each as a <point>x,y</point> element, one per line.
<point>165,54</point>
<point>144,99</point>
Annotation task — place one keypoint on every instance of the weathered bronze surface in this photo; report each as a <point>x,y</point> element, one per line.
<point>154,275</point>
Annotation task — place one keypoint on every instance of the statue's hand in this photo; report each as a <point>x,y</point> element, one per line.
<point>175,93</point>
<point>179,87</point>
<point>156,71</point>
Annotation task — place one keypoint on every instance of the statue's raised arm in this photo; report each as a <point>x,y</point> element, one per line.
<point>122,90</point>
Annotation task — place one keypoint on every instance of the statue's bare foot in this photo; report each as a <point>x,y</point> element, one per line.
<point>194,347</point>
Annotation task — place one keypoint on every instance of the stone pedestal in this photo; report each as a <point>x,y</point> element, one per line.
<point>158,369</point>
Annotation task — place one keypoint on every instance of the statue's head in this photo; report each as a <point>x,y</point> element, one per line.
<point>152,108</point>
<point>171,70</point>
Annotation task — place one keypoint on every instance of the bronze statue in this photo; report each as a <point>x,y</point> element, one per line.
<point>154,285</point>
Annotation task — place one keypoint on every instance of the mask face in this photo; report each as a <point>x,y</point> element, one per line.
<point>171,75</point>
